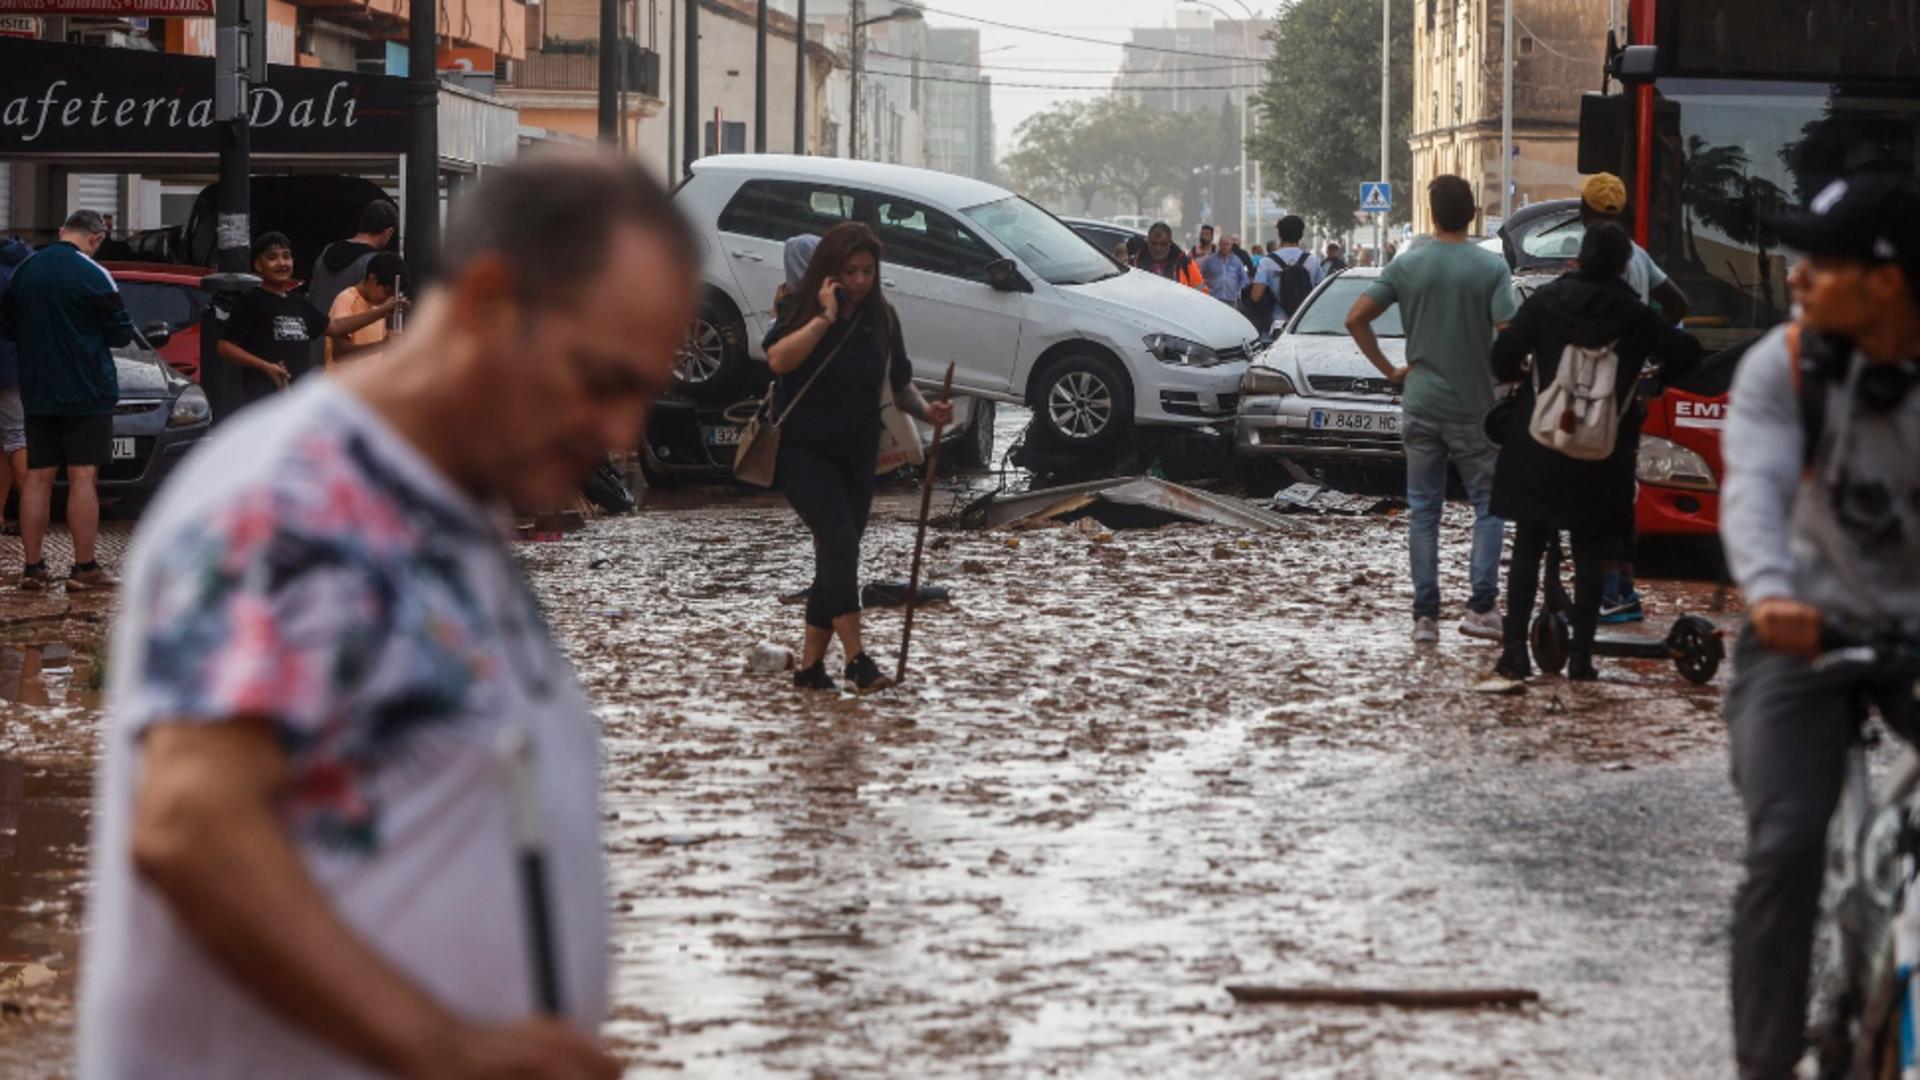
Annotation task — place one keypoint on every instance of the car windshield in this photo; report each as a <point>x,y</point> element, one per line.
<point>1058,254</point>
<point>1551,238</point>
<point>1326,313</point>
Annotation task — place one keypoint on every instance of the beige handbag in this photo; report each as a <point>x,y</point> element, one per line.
<point>757,461</point>
<point>899,439</point>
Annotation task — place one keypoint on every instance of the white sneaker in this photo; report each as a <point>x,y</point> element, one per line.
<point>1426,631</point>
<point>1485,625</point>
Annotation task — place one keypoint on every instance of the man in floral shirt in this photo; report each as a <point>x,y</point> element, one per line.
<point>303,862</point>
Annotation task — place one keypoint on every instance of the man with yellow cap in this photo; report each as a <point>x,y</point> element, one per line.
<point>1604,199</point>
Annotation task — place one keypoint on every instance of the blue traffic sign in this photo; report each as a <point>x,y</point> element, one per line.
<point>1376,197</point>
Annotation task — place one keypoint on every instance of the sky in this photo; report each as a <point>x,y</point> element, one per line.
<point>1064,63</point>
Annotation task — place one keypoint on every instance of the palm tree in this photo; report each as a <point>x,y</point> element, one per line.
<point>1710,177</point>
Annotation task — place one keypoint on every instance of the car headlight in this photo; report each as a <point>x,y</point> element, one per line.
<point>1265,382</point>
<point>1169,349</point>
<point>1668,464</point>
<point>190,408</point>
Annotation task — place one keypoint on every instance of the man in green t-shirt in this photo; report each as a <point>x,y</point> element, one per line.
<point>1454,297</point>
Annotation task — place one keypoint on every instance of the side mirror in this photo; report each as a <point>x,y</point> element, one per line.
<point>1004,276</point>
<point>1606,121</point>
<point>157,334</point>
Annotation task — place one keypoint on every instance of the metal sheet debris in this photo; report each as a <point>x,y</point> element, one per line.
<point>1319,499</point>
<point>1118,503</point>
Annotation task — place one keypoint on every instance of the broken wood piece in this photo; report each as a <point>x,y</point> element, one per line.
<point>1406,999</point>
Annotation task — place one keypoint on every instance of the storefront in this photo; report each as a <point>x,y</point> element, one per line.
<point>131,133</point>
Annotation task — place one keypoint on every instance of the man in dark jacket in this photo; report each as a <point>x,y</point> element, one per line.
<point>13,418</point>
<point>64,312</point>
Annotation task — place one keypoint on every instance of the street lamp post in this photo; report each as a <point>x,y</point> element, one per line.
<point>1247,184</point>
<point>1386,82</point>
<point>858,28</point>
<point>800,79</point>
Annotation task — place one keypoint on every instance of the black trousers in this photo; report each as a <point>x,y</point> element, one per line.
<point>1790,728</point>
<point>831,488</point>
<point>1523,583</point>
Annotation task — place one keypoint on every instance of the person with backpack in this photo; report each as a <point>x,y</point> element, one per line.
<point>1820,518</point>
<point>1289,273</point>
<point>1565,462</point>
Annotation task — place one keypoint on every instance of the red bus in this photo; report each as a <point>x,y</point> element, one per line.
<point>1729,112</point>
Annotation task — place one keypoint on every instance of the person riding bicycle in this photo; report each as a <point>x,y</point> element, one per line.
<point>1820,518</point>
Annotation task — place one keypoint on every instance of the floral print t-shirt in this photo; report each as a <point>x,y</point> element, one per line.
<point>309,570</point>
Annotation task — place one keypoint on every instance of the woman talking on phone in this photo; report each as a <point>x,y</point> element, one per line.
<point>832,353</point>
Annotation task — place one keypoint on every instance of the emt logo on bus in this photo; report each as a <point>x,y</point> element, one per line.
<point>1699,414</point>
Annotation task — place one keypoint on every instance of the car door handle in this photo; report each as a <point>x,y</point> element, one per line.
<point>749,256</point>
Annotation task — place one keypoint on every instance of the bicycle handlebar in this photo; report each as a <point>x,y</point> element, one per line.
<point>1853,644</point>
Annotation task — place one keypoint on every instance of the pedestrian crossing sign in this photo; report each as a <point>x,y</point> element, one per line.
<point>1376,197</point>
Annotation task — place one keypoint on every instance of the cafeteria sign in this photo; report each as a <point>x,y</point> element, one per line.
<point>110,9</point>
<point>76,99</point>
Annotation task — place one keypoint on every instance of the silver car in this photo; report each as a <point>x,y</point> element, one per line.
<point>1313,399</point>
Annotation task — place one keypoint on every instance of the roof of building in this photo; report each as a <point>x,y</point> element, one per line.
<point>939,187</point>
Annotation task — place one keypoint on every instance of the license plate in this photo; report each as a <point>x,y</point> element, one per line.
<point>123,449</point>
<point>723,436</point>
<point>1379,423</point>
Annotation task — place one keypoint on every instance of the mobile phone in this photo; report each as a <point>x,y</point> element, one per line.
<point>840,296</point>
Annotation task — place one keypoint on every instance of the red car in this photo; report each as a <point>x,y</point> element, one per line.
<point>164,294</point>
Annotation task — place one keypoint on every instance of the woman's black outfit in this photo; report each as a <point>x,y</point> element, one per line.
<point>1543,491</point>
<point>830,444</point>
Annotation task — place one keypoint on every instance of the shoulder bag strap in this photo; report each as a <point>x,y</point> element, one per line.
<point>808,385</point>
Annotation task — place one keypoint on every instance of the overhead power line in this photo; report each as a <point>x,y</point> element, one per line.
<point>997,84</point>
<point>871,51</point>
<point>1066,36</point>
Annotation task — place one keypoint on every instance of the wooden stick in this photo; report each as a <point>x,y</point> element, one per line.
<point>920,535</point>
<point>1406,999</point>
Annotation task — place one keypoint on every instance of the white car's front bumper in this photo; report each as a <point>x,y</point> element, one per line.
<point>1186,396</point>
<point>1272,426</point>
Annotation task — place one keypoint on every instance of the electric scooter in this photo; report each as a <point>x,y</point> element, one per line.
<point>1693,643</point>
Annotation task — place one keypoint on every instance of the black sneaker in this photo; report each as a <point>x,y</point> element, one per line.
<point>1514,664</point>
<point>34,578</point>
<point>814,678</point>
<point>1580,668</point>
<point>865,675</point>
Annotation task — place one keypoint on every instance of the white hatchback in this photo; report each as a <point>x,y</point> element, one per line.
<point>1024,309</point>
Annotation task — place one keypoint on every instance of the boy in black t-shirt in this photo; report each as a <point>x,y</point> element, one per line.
<point>268,340</point>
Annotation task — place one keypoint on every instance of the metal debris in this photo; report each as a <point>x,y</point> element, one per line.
<point>1117,503</point>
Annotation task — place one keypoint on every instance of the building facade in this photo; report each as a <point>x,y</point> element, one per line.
<point>959,106</point>
<point>1557,47</point>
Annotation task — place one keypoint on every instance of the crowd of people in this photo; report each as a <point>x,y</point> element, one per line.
<point>333,694</point>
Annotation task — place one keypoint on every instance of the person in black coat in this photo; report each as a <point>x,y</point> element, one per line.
<point>837,340</point>
<point>1543,491</point>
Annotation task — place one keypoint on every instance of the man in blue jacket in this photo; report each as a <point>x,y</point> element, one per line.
<point>64,312</point>
<point>13,418</point>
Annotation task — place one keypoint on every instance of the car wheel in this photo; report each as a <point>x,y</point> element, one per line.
<point>713,356</point>
<point>975,448</point>
<point>1083,404</point>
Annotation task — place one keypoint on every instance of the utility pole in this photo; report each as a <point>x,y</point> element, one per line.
<point>1506,115</point>
<point>609,71</point>
<point>673,84</point>
<point>235,67</point>
<point>760,80</point>
<point>858,15</point>
<point>800,79</point>
<point>423,160</point>
<point>690,135</point>
<point>1386,84</point>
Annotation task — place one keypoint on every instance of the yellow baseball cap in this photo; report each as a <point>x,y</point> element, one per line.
<point>1604,193</point>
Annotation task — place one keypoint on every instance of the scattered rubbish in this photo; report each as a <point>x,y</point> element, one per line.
<point>1500,687</point>
<point>1405,999</point>
<point>25,976</point>
<point>973,566</point>
<point>606,488</point>
<point>1617,766</point>
<point>598,558</point>
<point>891,594</point>
<point>1093,530</point>
<point>1140,502</point>
<point>769,659</point>
<point>1013,542</point>
<point>1319,499</point>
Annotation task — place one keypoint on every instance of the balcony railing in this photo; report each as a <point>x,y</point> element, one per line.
<point>579,70</point>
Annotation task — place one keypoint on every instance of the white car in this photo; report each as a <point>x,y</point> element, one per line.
<point>1312,398</point>
<point>1024,308</point>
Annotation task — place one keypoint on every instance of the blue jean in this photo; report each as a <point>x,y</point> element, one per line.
<point>1430,445</point>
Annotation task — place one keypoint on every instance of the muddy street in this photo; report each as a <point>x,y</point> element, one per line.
<point>1127,771</point>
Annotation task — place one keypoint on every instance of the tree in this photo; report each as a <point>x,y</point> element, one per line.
<point>1057,159</point>
<point>1320,110</point>
<point>1706,176</point>
<point>1144,152</point>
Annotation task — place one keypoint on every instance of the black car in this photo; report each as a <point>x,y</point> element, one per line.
<point>159,417</point>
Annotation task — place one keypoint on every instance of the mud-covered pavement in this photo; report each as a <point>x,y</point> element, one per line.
<point>1124,774</point>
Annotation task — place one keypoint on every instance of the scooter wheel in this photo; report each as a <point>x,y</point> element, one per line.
<point>1697,650</point>
<point>1552,639</point>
